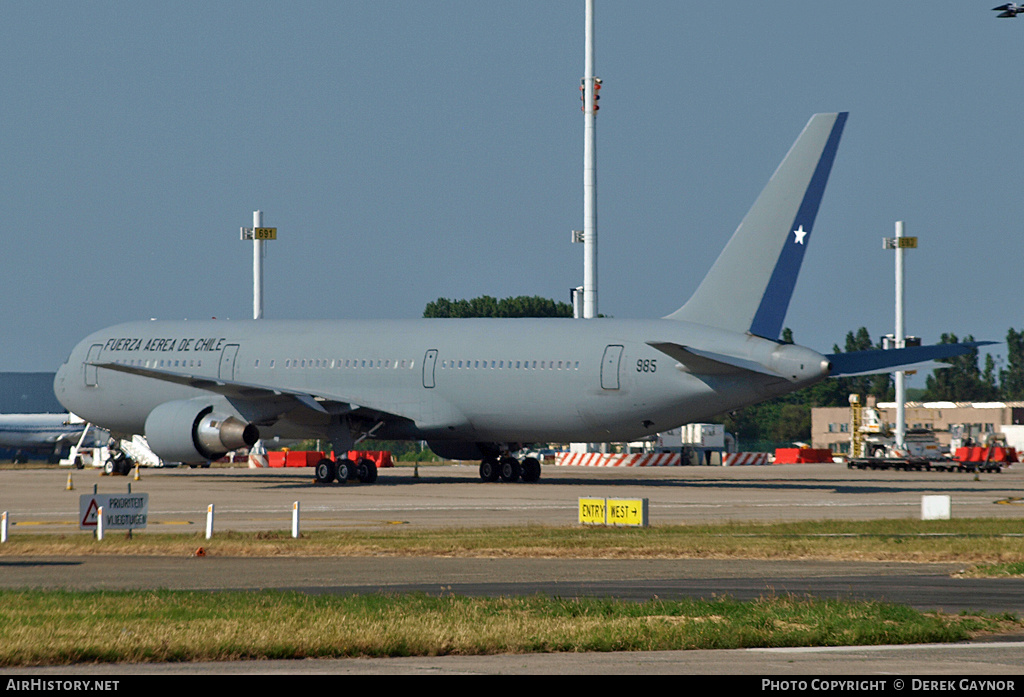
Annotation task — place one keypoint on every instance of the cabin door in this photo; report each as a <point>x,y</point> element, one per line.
<point>227,362</point>
<point>610,367</point>
<point>91,370</point>
<point>429,363</point>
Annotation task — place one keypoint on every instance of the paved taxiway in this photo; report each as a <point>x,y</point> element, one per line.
<point>245,499</point>
<point>37,501</point>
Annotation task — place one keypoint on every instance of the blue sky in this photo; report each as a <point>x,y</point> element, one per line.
<point>413,150</point>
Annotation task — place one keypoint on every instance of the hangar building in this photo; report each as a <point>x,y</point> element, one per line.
<point>830,426</point>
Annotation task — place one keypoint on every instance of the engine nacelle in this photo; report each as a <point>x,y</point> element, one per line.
<point>193,433</point>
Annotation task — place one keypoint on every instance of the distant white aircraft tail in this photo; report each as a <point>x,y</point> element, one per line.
<point>749,287</point>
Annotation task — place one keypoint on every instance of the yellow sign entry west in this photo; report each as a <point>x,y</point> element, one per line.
<point>592,511</point>
<point>595,511</point>
<point>627,512</point>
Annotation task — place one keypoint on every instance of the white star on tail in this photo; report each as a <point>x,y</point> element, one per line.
<point>800,235</point>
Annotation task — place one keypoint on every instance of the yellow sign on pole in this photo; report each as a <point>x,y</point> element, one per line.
<point>899,243</point>
<point>259,233</point>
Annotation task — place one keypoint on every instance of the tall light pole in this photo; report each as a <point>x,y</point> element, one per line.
<point>590,87</point>
<point>258,234</point>
<point>899,243</point>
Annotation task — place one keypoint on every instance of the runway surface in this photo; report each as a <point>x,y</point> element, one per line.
<point>38,500</point>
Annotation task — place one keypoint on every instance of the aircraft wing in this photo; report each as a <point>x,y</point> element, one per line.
<point>325,404</point>
<point>890,360</point>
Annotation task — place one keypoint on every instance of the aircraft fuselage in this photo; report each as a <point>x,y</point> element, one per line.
<point>493,380</point>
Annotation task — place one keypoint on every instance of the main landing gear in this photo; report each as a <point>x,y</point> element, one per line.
<point>344,470</point>
<point>509,469</point>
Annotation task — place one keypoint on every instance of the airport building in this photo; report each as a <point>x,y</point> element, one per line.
<point>830,426</point>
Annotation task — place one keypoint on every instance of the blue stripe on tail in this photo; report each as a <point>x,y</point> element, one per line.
<point>771,313</point>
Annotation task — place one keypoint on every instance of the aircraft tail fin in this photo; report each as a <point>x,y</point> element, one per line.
<point>749,287</point>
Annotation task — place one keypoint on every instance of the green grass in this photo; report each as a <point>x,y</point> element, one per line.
<point>997,570</point>
<point>45,628</point>
<point>966,541</point>
<point>48,628</point>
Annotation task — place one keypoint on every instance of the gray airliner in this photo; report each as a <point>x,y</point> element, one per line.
<point>47,434</point>
<point>482,388</point>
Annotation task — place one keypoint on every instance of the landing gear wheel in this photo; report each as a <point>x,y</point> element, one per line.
<point>366,471</point>
<point>117,464</point>
<point>510,469</point>
<point>531,469</point>
<point>346,468</point>
<point>489,469</point>
<point>325,471</point>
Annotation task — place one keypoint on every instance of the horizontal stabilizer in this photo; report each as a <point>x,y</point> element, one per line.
<point>708,362</point>
<point>890,360</point>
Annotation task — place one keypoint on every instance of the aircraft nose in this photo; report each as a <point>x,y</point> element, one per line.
<point>60,377</point>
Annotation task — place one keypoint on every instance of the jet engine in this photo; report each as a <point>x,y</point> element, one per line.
<point>191,432</point>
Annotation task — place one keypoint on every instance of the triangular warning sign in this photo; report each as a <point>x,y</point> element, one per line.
<point>91,513</point>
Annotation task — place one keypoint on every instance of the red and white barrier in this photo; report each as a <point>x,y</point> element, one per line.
<point>650,459</point>
<point>735,459</point>
<point>618,459</point>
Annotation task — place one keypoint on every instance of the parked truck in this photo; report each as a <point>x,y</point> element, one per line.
<point>873,446</point>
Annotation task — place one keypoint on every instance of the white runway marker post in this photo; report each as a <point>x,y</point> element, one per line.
<point>936,507</point>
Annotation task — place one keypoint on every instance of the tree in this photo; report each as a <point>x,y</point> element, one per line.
<point>880,385</point>
<point>1011,378</point>
<point>963,381</point>
<point>486,306</point>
